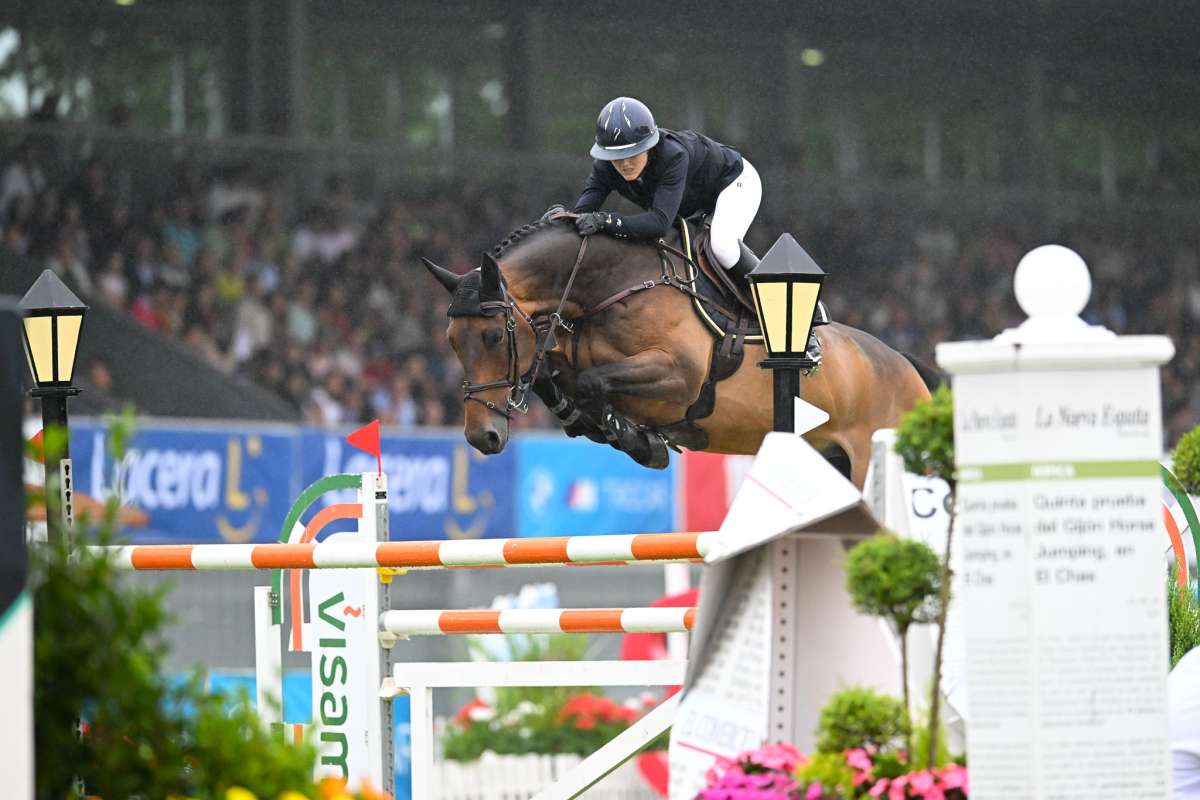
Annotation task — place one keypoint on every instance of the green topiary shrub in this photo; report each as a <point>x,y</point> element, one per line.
<point>1186,461</point>
<point>925,437</point>
<point>899,580</point>
<point>861,717</point>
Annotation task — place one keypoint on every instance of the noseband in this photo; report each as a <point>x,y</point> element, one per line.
<point>545,329</point>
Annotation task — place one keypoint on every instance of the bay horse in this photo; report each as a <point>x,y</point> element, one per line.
<point>547,299</point>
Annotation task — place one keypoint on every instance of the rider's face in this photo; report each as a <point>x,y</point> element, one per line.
<point>631,168</point>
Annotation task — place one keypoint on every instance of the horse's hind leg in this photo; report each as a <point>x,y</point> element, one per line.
<point>856,454</point>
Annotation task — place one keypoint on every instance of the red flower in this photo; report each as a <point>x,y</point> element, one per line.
<point>463,717</point>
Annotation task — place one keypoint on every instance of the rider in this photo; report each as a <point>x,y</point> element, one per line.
<point>668,173</point>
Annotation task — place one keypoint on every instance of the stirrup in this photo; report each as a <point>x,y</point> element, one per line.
<point>813,351</point>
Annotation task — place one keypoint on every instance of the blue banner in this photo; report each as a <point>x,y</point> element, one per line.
<point>234,483</point>
<point>439,486</point>
<point>570,487</point>
<point>196,484</point>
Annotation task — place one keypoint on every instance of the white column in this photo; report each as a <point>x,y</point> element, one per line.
<point>268,659</point>
<point>1058,433</point>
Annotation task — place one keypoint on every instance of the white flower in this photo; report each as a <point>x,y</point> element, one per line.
<point>481,714</point>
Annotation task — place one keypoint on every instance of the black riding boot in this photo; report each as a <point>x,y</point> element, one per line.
<point>745,264</point>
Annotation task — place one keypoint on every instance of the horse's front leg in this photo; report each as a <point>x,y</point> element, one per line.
<point>650,377</point>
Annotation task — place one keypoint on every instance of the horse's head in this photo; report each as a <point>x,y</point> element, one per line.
<point>495,345</point>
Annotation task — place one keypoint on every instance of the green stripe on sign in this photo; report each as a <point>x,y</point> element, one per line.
<point>1057,470</point>
<point>329,483</point>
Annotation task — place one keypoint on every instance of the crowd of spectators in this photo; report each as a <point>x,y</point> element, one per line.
<point>320,298</point>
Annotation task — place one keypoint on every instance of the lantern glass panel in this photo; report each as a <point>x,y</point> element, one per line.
<point>68,342</point>
<point>39,336</point>
<point>804,307</point>
<point>772,300</point>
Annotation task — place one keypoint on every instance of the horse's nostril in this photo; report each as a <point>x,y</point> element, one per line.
<point>493,440</point>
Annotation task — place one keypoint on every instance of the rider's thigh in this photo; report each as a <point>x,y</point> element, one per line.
<point>736,206</point>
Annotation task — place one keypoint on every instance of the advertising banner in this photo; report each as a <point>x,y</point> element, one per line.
<point>440,487</point>
<point>710,482</point>
<point>196,484</point>
<point>572,487</point>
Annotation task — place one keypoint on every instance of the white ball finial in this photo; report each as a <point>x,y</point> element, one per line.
<point>1053,287</point>
<point>1052,281</point>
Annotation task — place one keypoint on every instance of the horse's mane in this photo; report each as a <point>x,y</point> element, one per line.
<point>523,232</point>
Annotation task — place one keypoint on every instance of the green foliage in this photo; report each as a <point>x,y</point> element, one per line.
<point>861,717</point>
<point>1183,617</point>
<point>1185,461</point>
<point>830,770</point>
<point>897,579</point>
<point>919,758</point>
<point>98,656</point>
<point>925,437</point>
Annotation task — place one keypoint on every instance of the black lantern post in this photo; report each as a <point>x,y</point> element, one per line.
<point>786,287</point>
<point>52,323</point>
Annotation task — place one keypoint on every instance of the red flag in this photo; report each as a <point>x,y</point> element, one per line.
<point>39,447</point>
<point>366,439</point>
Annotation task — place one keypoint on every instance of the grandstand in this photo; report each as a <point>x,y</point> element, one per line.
<point>256,180</point>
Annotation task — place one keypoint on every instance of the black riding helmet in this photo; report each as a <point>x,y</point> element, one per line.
<point>624,128</point>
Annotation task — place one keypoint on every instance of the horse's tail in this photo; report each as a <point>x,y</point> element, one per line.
<point>932,376</point>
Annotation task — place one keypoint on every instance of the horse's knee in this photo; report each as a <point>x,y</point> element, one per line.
<point>591,388</point>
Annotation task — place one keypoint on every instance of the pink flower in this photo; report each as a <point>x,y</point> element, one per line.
<point>859,759</point>
<point>921,781</point>
<point>955,777</point>
<point>782,757</point>
<point>934,793</point>
<point>814,792</point>
<point>879,788</point>
<point>897,790</point>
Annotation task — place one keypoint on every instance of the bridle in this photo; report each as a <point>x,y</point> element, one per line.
<point>545,330</point>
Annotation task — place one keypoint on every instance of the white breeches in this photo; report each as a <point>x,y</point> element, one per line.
<point>736,206</point>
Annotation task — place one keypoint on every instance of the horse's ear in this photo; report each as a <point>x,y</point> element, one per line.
<point>489,279</point>
<point>444,276</point>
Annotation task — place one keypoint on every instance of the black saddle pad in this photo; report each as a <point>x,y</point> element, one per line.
<point>717,308</point>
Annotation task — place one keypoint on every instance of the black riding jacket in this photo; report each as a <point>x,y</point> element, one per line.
<point>684,175</point>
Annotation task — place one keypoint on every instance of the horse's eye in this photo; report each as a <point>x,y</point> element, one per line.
<point>493,337</point>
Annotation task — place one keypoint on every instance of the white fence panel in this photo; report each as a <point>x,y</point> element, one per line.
<point>496,777</point>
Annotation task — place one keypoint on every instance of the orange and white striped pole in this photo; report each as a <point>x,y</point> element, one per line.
<point>403,624</point>
<point>547,551</point>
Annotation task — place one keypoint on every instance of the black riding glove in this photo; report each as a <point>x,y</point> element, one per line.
<point>594,222</point>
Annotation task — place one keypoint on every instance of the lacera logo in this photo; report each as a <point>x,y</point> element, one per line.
<point>334,706</point>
